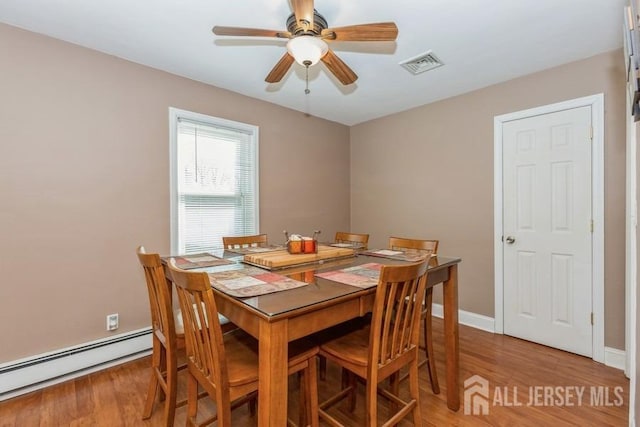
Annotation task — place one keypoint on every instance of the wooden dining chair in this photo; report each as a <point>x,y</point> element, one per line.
<point>380,350</point>
<point>427,247</point>
<point>226,365</point>
<point>168,342</point>
<point>354,238</point>
<point>344,237</point>
<point>231,242</point>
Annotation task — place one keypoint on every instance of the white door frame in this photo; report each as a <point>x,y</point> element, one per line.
<point>631,263</point>
<point>596,102</point>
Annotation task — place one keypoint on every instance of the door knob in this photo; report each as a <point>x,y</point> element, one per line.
<point>510,240</point>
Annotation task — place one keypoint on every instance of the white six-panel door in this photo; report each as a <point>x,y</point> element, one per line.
<point>547,228</point>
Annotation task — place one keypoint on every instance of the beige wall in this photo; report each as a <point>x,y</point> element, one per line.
<point>84,179</point>
<point>428,172</point>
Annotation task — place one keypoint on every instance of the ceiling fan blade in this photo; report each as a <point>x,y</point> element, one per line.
<point>381,31</point>
<point>339,68</point>
<point>281,68</point>
<point>250,32</point>
<point>303,10</point>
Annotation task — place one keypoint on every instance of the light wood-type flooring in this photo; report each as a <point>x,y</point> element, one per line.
<point>567,390</point>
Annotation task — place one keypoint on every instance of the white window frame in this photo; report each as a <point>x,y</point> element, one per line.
<point>174,115</point>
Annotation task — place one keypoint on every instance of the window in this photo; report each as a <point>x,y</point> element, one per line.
<point>214,181</point>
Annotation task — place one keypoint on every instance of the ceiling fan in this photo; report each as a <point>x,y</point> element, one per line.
<point>308,33</point>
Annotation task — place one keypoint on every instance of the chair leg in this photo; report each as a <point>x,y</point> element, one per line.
<point>353,383</point>
<point>253,405</point>
<point>428,342</point>
<point>151,395</point>
<point>311,392</point>
<point>192,400</point>
<point>371,402</point>
<point>322,367</point>
<point>394,388</point>
<point>172,389</point>
<point>303,393</point>
<point>344,381</point>
<point>414,392</point>
<point>349,380</point>
<point>154,385</point>
<point>162,368</point>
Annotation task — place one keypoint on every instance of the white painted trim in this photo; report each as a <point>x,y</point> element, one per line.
<point>615,358</point>
<point>630,235</point>
<point>25,375</point>
<point>498,231</point>
<point>118,349</point>
<point>597,186</point>
<point>174,115</point>
<point>467,318</point>
<point>596,102</point>
<point>631,254</point>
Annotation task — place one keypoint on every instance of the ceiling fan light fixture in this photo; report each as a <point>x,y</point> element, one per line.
<point>307,50</point>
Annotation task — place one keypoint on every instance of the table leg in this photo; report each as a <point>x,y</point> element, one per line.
<point>272,382</point>
<point>452,350</point>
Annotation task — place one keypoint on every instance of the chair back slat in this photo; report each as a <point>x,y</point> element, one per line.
<point>203,334</point>
<point>395,323</point>
<point>344,237</point>
<point>384,352</point>
<point>238,242</point>
<point>402,322</point>
<point>426,247</point>
<point>159,289</point>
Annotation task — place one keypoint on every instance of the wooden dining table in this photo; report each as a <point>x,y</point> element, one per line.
<point>277,318</point>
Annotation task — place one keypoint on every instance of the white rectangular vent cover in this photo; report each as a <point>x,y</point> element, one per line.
<point>421,63</point>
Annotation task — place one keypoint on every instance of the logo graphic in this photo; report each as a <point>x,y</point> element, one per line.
<point>476,396</point>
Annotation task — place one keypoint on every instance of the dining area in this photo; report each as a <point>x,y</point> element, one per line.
<point>104,153</point>
<point>298,353</point>
<point>284,310</point>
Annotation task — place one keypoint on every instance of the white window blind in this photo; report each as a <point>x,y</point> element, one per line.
<point>215,181</point>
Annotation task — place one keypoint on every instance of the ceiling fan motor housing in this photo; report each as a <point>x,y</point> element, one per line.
<point>308,34</point>
<point>319,24</point>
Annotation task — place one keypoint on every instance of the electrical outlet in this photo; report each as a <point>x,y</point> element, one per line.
<point>112,322</point>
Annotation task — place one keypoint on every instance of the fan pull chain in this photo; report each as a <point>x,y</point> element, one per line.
<point>306,65</point>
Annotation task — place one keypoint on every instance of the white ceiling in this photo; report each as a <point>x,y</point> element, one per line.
<point>481,42</point>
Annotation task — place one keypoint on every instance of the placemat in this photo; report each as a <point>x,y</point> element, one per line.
<point>251,282</point>
<point>362,276</point>
<point>188,262</point>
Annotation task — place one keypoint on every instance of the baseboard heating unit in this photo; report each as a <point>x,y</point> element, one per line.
<point>25,375</point>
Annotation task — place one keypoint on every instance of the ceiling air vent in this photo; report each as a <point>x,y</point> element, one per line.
<point>421,63</point>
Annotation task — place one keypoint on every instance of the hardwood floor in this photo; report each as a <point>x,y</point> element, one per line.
<point>115,397</point>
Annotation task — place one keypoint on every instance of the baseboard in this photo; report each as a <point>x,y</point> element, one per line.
<point>612,356</point>
<point>615,358</point>
<point>25,375</point>
<point>467,318</point>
